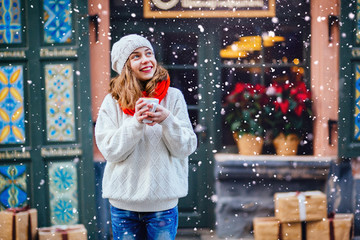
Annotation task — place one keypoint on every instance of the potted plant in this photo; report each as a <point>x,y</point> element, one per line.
<point>291,115</point>
<point>246,116</point>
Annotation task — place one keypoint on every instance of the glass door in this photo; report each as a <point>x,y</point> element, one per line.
<point>180,52</point>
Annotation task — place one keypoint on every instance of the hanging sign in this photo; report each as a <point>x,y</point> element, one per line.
<point>209,8</point>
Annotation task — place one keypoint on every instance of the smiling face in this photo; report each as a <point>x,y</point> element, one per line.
<point>143,63</point>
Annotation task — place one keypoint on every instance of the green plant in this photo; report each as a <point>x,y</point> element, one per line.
<point>245,109</point>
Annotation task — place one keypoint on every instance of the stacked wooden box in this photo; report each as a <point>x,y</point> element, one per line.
<point>303,216</point>
<point>18,224</point>
<point>22,224</point>
<point>71,232</point>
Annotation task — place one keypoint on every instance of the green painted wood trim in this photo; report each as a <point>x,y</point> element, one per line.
<point>38,171</point>
<point>347,146</point>
<point>211,43</point>
<point>87,204</point>
<point>207,75</point>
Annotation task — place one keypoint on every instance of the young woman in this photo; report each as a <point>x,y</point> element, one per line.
<point>147,163</point>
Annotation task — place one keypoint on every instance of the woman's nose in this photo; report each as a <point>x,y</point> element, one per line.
<point>144,59</point>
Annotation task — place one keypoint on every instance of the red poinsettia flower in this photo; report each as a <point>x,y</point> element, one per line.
<point>286,86</point>
<point>239,87</point>
<point>301,87</point>
<point>260,88</point>
<point>244,109</point>
<point>291,104</point>
<point>302,97</point>
<point>278,88</point>
<point>284,106</point>
<point>257,109</point>
<point>298,110</point>
<point>293,91</point>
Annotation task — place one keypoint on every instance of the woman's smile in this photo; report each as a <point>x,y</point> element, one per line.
<point>146,69</point>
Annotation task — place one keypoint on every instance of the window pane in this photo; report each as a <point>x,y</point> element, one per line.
<point>186,81</point>
<point>231,76</point>
<point>275,44</point>
<point>180,49</point>
<point>283,74</point>
<point>244,50</point>
<point>285,47</point>
<point>193,115</point>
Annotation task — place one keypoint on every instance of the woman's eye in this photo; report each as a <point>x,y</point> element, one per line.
<point>149,53</point>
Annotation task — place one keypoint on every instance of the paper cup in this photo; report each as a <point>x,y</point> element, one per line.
<point>154,102</point>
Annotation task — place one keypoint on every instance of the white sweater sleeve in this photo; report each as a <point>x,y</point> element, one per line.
<point>178,133</point>
<point>116,141</point>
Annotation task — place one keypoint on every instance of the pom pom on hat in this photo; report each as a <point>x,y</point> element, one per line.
<point>122,49</point>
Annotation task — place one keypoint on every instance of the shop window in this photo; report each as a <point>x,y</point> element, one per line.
<point>186,81</point>
<point>178,52</point>
<point>180,49</point>
<point>265,52</point>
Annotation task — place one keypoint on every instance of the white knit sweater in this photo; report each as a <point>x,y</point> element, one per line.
<point>147,166</point>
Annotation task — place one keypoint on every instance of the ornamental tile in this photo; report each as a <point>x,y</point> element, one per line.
<point>12,124</point>
<point>13,186</point>
<point>60,120</point>
<point>357,103</point>
<point>57,18</point>
<point>63,193</point>
<point>10,22</point>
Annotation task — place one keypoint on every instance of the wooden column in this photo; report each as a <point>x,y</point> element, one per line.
<point>99,12</point>
<point>324,74</point>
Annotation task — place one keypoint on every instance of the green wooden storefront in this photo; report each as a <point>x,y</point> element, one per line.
<point>46,131</point>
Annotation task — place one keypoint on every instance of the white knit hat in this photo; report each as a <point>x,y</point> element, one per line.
<point>122,49</point>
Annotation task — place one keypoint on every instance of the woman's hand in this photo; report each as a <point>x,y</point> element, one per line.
<point>140,110</point>
<point>158,116</point>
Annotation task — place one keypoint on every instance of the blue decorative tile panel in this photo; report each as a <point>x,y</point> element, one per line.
<point>12,124</point>
<point>60,121</point>
<point>10,21</point>
<point>57,18</point>
<point>12,186</point>
<point>357,102</point>
<point>63,193</point>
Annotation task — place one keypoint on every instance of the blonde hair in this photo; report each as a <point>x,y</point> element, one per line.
<point>126,89</point>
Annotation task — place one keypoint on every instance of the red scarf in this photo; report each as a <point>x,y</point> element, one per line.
<point>160,92</point>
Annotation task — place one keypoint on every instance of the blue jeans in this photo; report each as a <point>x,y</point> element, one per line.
<point>129,225</point>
